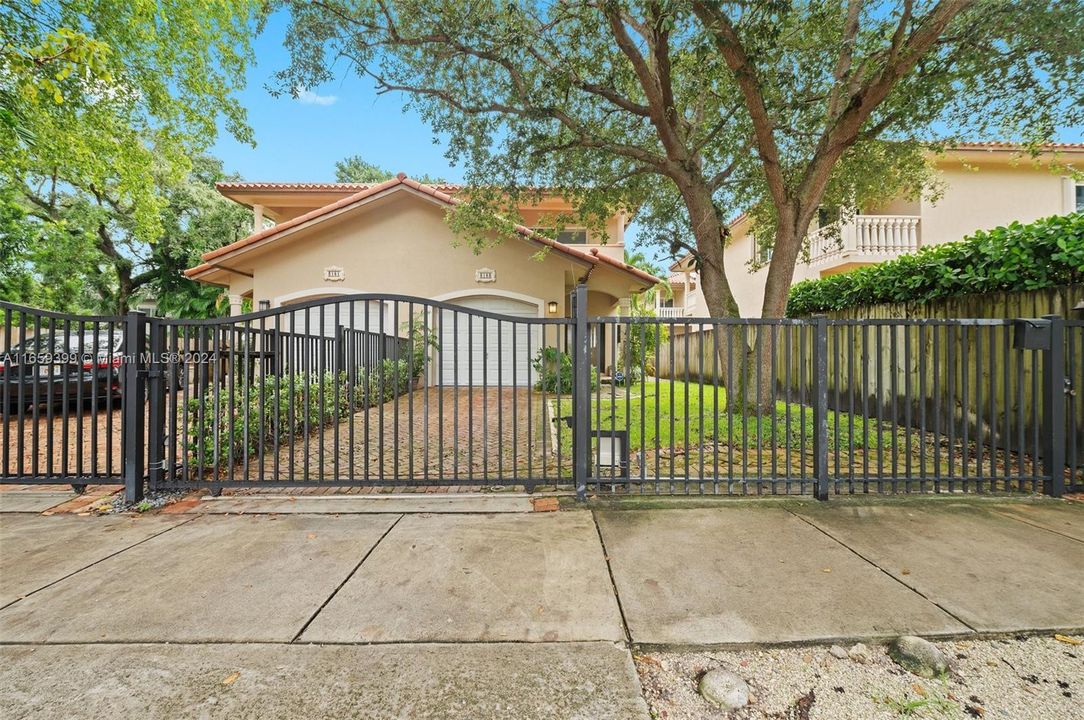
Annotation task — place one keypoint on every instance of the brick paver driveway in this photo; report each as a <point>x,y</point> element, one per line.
<point>434,436</point>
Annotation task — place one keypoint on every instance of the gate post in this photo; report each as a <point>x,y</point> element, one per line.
<point>157,387</point>
<point>1054,409</point>
<point>581,391</point>
<point>820,408</point>
<point>132,405</point>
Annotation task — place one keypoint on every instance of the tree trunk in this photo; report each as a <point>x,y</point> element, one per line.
<point>122,266</point>
<point>124,287</point>
<point>741,351</point>
<point>789,236</point>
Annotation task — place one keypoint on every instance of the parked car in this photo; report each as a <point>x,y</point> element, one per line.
<point>54,368</point>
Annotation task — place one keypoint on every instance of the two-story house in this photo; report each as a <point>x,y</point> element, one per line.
<point>985,185</point>
<point>321,240</point>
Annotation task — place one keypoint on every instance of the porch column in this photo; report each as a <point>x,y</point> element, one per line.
<point>235,304</point>
<point>257,218</point>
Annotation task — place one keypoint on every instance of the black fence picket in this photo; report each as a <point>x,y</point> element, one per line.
<point>374,391</point>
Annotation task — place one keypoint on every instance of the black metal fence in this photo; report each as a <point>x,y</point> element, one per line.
<point>62,385</point>
<point>374,391</point>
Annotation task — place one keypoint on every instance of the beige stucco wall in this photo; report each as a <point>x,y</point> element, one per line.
<point>401,244</point>
<point>982,195</point>
<point>748,285</point>
<point>981,191</point>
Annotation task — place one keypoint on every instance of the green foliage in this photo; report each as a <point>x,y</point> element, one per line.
<point>1043,254</point>
<point>697,110</point>
<point>117,92</point>
<point>196,219</point>
<point>356,169</point>
<point>105,104</point>
<point>75,251</point>
<point>554,371</point>
<point>642,339</point>
<point>423,340</point>
<point>225,428</point>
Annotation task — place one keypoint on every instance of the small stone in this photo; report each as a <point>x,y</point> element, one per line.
<point>918,656</point>
<point>838,652</point>
<point>724,689</point>
<point>859,653</point>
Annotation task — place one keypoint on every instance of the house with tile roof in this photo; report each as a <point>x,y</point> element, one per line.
<point>312,241</point>
<point>984,185</point>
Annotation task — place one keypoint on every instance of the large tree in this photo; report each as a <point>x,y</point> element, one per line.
<point>696,110</point>
<point>103,105</point>
<point>80,249</point>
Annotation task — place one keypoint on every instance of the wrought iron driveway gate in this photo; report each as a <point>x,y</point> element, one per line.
<point>374,391</point>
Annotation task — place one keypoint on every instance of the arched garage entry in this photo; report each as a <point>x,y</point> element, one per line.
<point>362,315</point>
<point>476,350</point>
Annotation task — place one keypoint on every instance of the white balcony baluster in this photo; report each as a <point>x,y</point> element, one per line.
<point>867,238</point>
<point>671,312</point>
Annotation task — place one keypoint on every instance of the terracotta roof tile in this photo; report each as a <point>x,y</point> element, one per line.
<point>314,186</point>
<point>1002,145</point>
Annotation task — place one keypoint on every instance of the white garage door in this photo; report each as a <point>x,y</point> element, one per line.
<point>476,350</point>
<point>323,319</point>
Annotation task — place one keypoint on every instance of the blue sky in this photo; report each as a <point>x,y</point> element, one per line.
<point>299,140</point>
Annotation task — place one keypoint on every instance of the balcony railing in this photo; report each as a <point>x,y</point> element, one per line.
<point>672,312</point>
<point>866,238</point>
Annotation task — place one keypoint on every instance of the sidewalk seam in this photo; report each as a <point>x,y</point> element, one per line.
<point>613,583</point>
<point>99,560</point>
<point>1039,527</point>
<point>913,589</point>
<point>345,580</point>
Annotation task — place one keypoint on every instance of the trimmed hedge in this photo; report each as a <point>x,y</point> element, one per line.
<point>224,429</point>
<point>1043,254</point>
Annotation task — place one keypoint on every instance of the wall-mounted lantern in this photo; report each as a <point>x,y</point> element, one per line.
<point>552,307</point>
<point>265,305</point>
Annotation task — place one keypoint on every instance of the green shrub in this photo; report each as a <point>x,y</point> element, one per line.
<point>393,378</point>
<point>1043,254</point>
<point>423,339</point>
<point>226,427</point>
<point>554,370</point>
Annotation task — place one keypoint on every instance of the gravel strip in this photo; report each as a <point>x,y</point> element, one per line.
<point>1037,678</point>
<point>151,501</point>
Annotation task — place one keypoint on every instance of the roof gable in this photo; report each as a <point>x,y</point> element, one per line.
<point>400,183</point>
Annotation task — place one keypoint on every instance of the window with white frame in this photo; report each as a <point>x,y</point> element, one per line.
<point>1079,197</point>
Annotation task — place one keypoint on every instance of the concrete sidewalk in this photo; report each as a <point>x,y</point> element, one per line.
<point>528,610</point>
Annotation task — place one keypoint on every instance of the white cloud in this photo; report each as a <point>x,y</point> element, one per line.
<point>308,97</point>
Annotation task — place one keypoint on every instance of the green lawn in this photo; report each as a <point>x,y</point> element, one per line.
<point>664,413</point>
